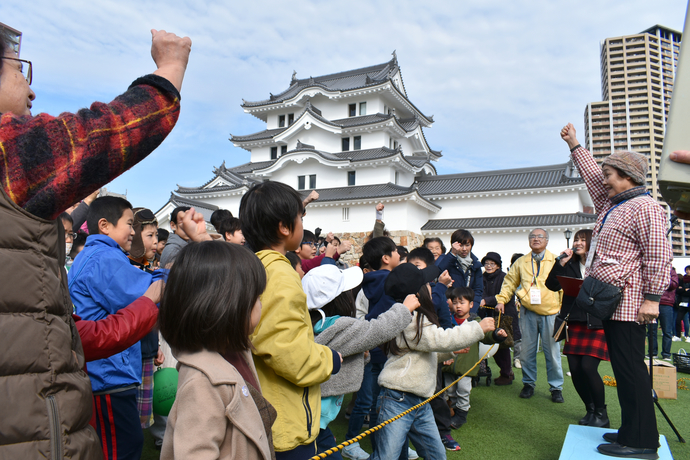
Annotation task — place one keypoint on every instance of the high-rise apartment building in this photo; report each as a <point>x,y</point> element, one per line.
<point>637,76</point>
<point>15,36</point>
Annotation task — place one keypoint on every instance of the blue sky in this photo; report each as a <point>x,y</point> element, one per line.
<point>500,78</point>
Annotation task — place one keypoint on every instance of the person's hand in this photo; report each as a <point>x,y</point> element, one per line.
<point>568,135</point>
<point>313,196</point>
<point>482,303</point>
<point>341,357</point>
<point>329,237</point>
<point>194,226</point>
<point>345,246</point>
<point>89,199</point>
<point>569,255</point>
<point>501,307</point>
<point>487,324</point>
<point>160,358</point>
<point>155,291</point>
<point>445,278</point>
<point>447,362</point>
<point>648,312</point>
<point>463,351</point>
<point>379,207</point>
<point>411,302</point>
<point>456,247</point>
<point>501,332</point>
<point>331,249</point>
<point>171,54</point>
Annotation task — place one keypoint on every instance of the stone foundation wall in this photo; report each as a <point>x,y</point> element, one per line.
<point>405,238</point>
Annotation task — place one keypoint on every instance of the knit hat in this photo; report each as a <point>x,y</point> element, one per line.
<point>326,282</point>
<point>632,164</point>
<point>496,257</point>
<point>406,279</point>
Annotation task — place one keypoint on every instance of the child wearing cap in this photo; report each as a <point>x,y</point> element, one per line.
<point>332,310</point>
<point>409,375</point>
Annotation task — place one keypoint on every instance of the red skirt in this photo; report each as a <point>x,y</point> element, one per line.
<point>584,341</point>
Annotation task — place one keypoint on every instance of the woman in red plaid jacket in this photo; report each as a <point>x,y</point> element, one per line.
<point>629,250</point>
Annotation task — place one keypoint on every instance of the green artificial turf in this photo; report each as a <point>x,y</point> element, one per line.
<point>502,426</point>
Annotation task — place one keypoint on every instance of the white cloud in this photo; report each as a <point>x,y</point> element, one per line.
<point>500,78</point>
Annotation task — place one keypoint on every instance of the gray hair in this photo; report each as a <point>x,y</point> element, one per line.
<point>545,232</point>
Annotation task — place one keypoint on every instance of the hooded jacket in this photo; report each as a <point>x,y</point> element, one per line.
<point>379,302</point>
<point>290,365</point>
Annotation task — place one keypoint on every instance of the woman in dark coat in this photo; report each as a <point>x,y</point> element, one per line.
<point>586,343</point>
<point>493,279</point>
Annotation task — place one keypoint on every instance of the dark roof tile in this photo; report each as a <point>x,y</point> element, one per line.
<point>579,218</point>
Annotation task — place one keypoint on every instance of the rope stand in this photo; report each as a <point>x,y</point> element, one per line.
<point>391,420</point>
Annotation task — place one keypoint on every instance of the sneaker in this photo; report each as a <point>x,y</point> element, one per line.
<point>687,338</point>
<point>676,339</point>
<point>517,364</point>
<point>449,442</point>
<point>354,452</point>
<point>411,454</point>
<point>527,392</point>
<point>557,396</point>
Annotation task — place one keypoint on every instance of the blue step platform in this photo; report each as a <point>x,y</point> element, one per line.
<point>581,443</point>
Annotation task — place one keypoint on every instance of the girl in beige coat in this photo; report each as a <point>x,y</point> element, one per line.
<point>209,308</point>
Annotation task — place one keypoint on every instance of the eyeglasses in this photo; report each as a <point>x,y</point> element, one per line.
<point>26,70</point>
<point>537,237</point>
<point>310,243</point>
<point>489,263</point>
<point>70,235</point>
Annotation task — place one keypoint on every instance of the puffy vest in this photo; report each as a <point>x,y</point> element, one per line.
<point>45,396</point>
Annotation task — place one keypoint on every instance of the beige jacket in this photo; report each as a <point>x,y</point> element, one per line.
<point>214,415</point>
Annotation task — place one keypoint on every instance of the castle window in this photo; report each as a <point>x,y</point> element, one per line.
<point>346,144</point>
<point>397,177</point>
<point>312,181</point>
<point>274,153</point>
<point>351,178</point>
<point>352,110</point>
<point>362,108</point>
<point>291,118</point>
<point>346,214</point>
<point>300,182</point>
<point>283,149</point>
<point>281,121</point>
<point>357,143</point>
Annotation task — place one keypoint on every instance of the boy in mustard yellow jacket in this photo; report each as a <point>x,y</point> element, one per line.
<point>290,365</point>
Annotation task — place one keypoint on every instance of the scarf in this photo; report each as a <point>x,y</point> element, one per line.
<point>538,257</point>
<point>628,194</point>
<point>465,262</point>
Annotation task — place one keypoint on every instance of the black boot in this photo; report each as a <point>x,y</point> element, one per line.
<point>587,419</point>
<point>601,418</point>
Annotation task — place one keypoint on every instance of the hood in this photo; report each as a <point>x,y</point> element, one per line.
<point>373,285</point>
<point>269,256</point>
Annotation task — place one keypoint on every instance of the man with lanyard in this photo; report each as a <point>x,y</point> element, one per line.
<point>630,251</point>
<point>537,317</point>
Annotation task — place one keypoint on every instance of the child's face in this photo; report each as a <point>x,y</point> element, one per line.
<point>149,236</point>
<point>123,232</point>
<point>460,307</point>
<point>419,263</point>
<point>435,249</point>
<point>160,246</point>
<point>236,238</point>
<point>69,231</point>
<point>392,260</point>
<point>307,250</point>
<point>255,316</point>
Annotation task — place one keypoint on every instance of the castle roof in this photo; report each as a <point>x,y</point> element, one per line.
<point>547,220</point>
<point>503,179</point>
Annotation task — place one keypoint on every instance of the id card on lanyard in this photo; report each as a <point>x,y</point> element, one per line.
<point>534,291</point>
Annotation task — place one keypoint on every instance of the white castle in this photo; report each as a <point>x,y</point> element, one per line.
<point>357,139</point>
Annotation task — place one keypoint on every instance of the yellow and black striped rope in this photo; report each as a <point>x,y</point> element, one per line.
<point>391,420</point>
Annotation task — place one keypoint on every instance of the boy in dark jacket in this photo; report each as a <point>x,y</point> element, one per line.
<point>463,266</point>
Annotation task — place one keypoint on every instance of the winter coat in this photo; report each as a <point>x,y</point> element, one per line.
<point>46,400</point>
<point>214,415</point>
<point>378,303</point>
<point>571,269</point>
<point>414,370</point>
<point>669,296</point>
<point>290,365</point>
<point>463,362</point>
<point>521,274</point>
<point>476,283</point>
<point>352,337</point>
